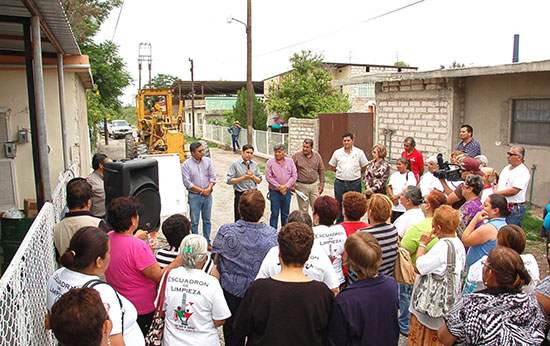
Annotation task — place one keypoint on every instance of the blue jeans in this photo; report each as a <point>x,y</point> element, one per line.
<point>405,292</point>
<point>198,205</point>
<point>340,188</point>
<point>235,143</point>
<point>518,212</point>
<point>279,203</point>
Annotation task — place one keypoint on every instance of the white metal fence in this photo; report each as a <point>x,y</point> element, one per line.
<point>263,141</point>
<point>23,285</point>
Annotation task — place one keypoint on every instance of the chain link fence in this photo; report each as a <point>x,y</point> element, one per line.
<point>23,285</point>
<point>263,141</point>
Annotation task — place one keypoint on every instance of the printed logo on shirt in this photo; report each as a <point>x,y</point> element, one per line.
<point>183,313</point>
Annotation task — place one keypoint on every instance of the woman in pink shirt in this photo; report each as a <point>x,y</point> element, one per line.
<point>133,271</point>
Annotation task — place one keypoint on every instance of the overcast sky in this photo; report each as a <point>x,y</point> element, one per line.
<point>426,34</point>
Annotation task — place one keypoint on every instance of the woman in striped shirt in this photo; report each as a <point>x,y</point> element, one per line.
<point>379,209</point>
<point>175,228</point>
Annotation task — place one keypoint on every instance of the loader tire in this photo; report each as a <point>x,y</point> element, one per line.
<point>130,144</point>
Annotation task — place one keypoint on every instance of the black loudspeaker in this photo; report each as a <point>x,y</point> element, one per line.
<point>135,178</point>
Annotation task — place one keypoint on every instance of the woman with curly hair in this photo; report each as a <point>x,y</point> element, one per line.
<point>378,171</point>
<point>239,249</point>
<point>354,207</point>
<point>134,270</point>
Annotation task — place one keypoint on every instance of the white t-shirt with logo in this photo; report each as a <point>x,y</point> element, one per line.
<point>193,299</point>
<point>519,178</point>
<point>317,267</point>
<point>331,240</point>
<point>65,279</point>
<point>398,182</point>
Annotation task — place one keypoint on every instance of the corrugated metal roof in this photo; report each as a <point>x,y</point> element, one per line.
<point>54,26</point>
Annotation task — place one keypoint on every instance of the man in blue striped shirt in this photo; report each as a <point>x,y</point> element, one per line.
<point>199,177</point>
<point>468,144</point>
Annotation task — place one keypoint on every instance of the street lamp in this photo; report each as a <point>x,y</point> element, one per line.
<point>248,28</point>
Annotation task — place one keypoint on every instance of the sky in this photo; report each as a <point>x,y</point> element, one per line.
<point>426,34</point>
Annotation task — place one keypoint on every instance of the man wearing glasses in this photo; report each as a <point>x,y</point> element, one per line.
<point>199,177</point>
<point>513,183</point>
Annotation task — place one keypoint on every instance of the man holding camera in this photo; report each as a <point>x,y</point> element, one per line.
<point>455,198</point>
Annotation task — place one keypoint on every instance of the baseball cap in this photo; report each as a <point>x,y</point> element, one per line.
<point>471,164</point>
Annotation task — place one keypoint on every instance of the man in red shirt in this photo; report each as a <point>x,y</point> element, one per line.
<point>415,156</point>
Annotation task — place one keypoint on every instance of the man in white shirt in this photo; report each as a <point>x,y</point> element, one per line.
<point>513,182</point>
<point>349,163</point>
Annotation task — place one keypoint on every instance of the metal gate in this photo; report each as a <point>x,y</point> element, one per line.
<point>333,126</point>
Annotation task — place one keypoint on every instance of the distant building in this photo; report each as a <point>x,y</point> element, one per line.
<point>362,95</point>
<point>506,105</point>
<point>212,98</point>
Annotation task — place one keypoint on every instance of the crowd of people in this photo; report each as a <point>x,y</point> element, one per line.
<point>324,275</point>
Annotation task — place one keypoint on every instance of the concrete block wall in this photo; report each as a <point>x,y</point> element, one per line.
<point>422,109</point>
<point>299,130</point>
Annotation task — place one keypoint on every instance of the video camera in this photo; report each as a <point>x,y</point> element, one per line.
<point>448,171</point>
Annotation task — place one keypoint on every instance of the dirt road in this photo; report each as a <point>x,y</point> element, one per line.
<point>222,202</point>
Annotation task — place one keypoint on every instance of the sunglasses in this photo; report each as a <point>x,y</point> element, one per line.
<point>485,263</point>
<point>512,154</point>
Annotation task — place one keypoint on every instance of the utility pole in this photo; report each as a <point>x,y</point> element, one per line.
<point>192,98</point>
<point>144,55</point>
<point>249,89</point>
<point>150,64</point>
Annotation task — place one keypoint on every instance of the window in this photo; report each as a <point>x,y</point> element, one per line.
<point>531,122</point>
<point>366,90</point>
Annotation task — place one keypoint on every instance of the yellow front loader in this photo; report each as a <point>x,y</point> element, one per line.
<point>159,132</point>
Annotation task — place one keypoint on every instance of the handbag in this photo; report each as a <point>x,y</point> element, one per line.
<point>404,269</point>
<point>435,294</point>
<point>154,335</point>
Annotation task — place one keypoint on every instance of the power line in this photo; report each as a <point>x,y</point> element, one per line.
<point>340,30</point>
<point>117,20</point>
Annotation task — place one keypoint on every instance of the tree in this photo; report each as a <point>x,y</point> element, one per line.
<point>108,68</point>
<point>109,71</point>
<point>401,64</point>
<point>259,114</point>
<point>163,81</point>
<point>453,65</point>
<point>129,114</point>
<point>86,16</point>
<point>97,111</point>
<point>306,91</point>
